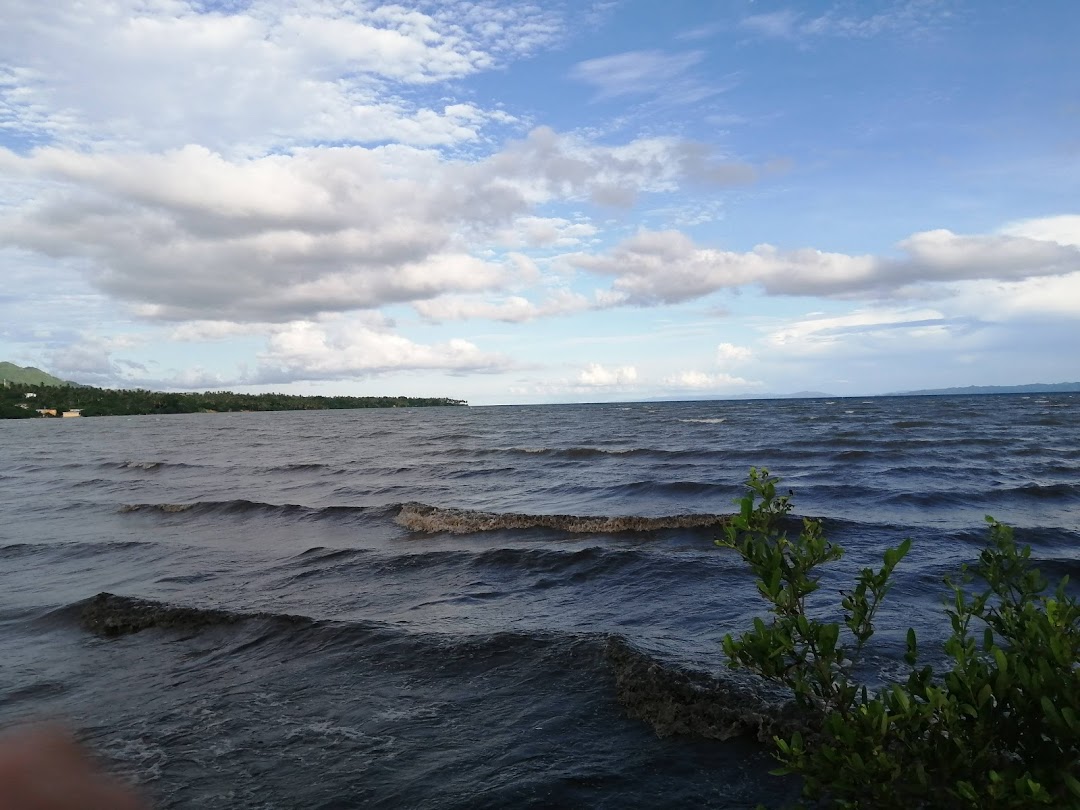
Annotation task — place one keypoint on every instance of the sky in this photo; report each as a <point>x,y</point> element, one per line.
<point>515,202</point>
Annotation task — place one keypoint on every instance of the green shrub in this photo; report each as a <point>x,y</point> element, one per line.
<point>999,729</point>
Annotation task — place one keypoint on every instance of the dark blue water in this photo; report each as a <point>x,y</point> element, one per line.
<point>461,575</point>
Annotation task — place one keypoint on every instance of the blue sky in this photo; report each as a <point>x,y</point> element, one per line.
<point>549,202</point>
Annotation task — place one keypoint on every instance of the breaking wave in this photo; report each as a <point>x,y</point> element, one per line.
<point>672,699</point>
<point>418,517</point>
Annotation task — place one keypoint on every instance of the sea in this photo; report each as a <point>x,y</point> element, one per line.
<point>473,607</point>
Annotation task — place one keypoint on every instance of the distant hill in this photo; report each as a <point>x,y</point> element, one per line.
<point>19,375</point>
<point>1033,388</point>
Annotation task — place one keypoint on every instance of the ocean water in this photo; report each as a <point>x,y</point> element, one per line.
<point>456,607</point>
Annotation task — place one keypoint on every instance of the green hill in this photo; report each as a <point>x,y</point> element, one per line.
<point>17,375</point>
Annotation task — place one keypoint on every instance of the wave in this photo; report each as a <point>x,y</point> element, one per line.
<point>421,518</point>
<point>147,466</point>
<point>14,550</point>
<point>240,506</point>
<point>988,498</point>
<point>716,421</point>
<point>109,615</point>
<point>671,699</point>
<point>72,550</point>
<point>600,452</point>
<point>674,700</point>
<point>299,467</point>
<point>157,466</point>
<point>704,489</point>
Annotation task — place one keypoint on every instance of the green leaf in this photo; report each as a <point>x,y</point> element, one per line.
<point>912,654</point>
<point>1049,709</point>
<point>966,791</point>
<point>1071,783</point>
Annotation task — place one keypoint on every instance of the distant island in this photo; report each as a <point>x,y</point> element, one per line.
<point>1033,388</point>
<point>47,396</point>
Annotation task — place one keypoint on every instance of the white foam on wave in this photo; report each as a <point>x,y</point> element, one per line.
<point>140,465</point>
<point>418,517</point>
<point>716,421</point>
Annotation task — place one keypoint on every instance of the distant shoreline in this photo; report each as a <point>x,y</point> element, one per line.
<point>51,401</point>
<point>971,390</point>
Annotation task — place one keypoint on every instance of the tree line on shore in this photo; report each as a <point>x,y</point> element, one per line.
<point>16,404</point>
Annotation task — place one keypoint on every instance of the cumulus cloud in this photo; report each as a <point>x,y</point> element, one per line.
<point>1045,297</point>
<point>728,355</point>
<point>192,235</point>
<point>596,375</point>
<point>305,350</point>
<point>702,381</point>
<point>667,267</point>
<point>1065,229</point>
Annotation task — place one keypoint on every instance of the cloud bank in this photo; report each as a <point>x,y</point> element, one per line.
<point>666,267</point>
<point>190,234</point>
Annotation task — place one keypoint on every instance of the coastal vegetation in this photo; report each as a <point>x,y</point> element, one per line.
<point>998,728</point>
<point>25,401</point>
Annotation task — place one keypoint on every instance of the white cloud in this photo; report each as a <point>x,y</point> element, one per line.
<point>1065,230</point>
<point>728,355</point>
<point>545,232</point>
<point>192,235</point>
<point>86,361</point>
<point>304,350</point>
<point>780,24</point>
<point>636,72</point>
<point>598,376</point>
<point>512,309</point>
<point>702,381</point>
<point>667,267</point>
<point>1051,296</point>
<point>210,331</point>
<point>865,331</point>
<point>269,74</point>
<point>908,17</point>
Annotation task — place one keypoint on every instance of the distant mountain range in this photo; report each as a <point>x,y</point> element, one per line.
<point>1033,388</point>
<point>28,375</point>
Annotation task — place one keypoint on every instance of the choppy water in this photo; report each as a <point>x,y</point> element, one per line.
<point>463,575</point>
